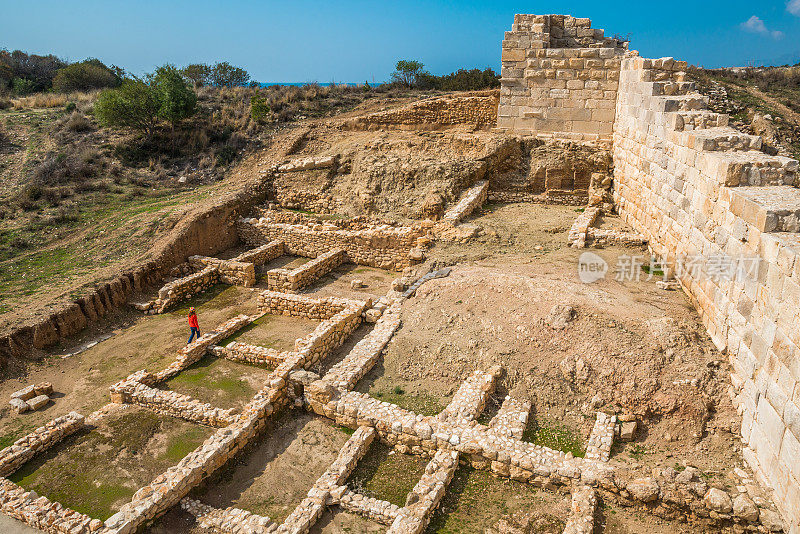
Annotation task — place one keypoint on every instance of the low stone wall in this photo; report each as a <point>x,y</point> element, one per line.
<point>233,272</point>
<point>382,512</point>
<point>582,507</point>
<point>330,334</point>
<point>601,438</point>
<point>250,354</point>
<point>512,418</point>
<point>184,288</point>
<point>227,520</point>
<point>473,198</point>
<point>193,352</point>
<point>580,227</point>
<point>171,403</point>
<point>277,303</point>
<point>44,514</point>
<point>479,110</point>
<point>364,355</point>
<point>312,507</point>
<point>41,439</point>
<point>262,255</point>
<point>602,237</point>
<point>426,495</point>
<point>383,246</point>
<point>306,274</point>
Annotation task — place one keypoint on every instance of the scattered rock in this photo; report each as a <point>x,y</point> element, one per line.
<point>745,508</point>
<point>643,489</point>
<point>771,520</point>
<point>560,315</point>
<point>627,431</point>
<point>38,402</point>
<point>19,405</point>
<point>356,284</point>
<point>718,501</point>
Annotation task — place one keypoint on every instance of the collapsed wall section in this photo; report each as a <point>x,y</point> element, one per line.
<point>559,78</point>
<point>725,216</point>
<point>382,246</point>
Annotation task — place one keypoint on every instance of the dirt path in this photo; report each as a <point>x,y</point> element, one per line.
<point>787,112</point>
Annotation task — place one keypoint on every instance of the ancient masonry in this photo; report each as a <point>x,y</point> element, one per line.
<point>453,436</point>
<point>693,188</point>
<point>683,179</point>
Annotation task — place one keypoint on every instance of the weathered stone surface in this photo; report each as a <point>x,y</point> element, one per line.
<point>643,489</point>
<point>718,501</point>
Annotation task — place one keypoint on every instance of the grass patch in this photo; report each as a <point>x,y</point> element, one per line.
<point>95,472</point>
<point>636,450</point>
<point>387,475</point>
<point>554,435</point>
<point>420,403</point>
<point>216,381</point>
<point>182,444</point>
<point>475,500</point>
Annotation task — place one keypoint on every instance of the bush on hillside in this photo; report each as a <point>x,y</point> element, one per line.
<point>85,76</point>
<point>142,104</point>
<point>133,105</point>
<point>177,100</point>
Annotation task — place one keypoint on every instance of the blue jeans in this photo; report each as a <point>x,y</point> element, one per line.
<point>195,332</point>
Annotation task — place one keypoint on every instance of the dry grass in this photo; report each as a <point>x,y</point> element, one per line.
<point>52,100</point>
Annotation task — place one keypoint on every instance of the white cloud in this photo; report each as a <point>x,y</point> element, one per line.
<point>756,25</point>
<point>793,7</point>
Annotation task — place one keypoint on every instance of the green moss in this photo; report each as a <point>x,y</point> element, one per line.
<point>387,475</point>
<point>475,500</point>
<point>182,444</point>
<point>420,403</point>
<point>554,435</point>
<point>216,381</point>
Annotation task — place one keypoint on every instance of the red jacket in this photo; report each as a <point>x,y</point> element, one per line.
<point>193,320</point>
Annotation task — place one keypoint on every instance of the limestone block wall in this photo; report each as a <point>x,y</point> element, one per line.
<point>186,287</point>
<point>231,272</point>
<point>306,274</point>
<point>559,79</point>
<point>698,189</point>
<point>479,109</point>
<point>383,246</point>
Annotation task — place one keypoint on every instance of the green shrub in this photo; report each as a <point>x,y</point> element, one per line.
<point>134,104</point>
<point>85,76</point>
<point>225,155</point>
<point>259,108</point>
<point>22,86</point>
<point>70,107</point>
<point>176,99</point>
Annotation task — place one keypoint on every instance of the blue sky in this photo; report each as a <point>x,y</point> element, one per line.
<point>299,41</point>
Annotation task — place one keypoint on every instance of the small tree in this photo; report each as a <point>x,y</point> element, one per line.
<point>407,72</point>
<point>134,104</point>
<point>197,73</point>
<point>226,75</point>
<point>259,108</point>
<point>176,99</point>
<point>85,76</point>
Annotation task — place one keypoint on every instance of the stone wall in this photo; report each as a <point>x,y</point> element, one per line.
<point>383,246</point>
<point>478,110</point>
<point>559,79</point>
<point>170,403</point>
<point>306,274</point>
<point>233,272</point>
<point>41,439</point>
<point>185,288</point>
<point>698,189</point>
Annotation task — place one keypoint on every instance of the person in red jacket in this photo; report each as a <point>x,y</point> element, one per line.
<point>193,325</point>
